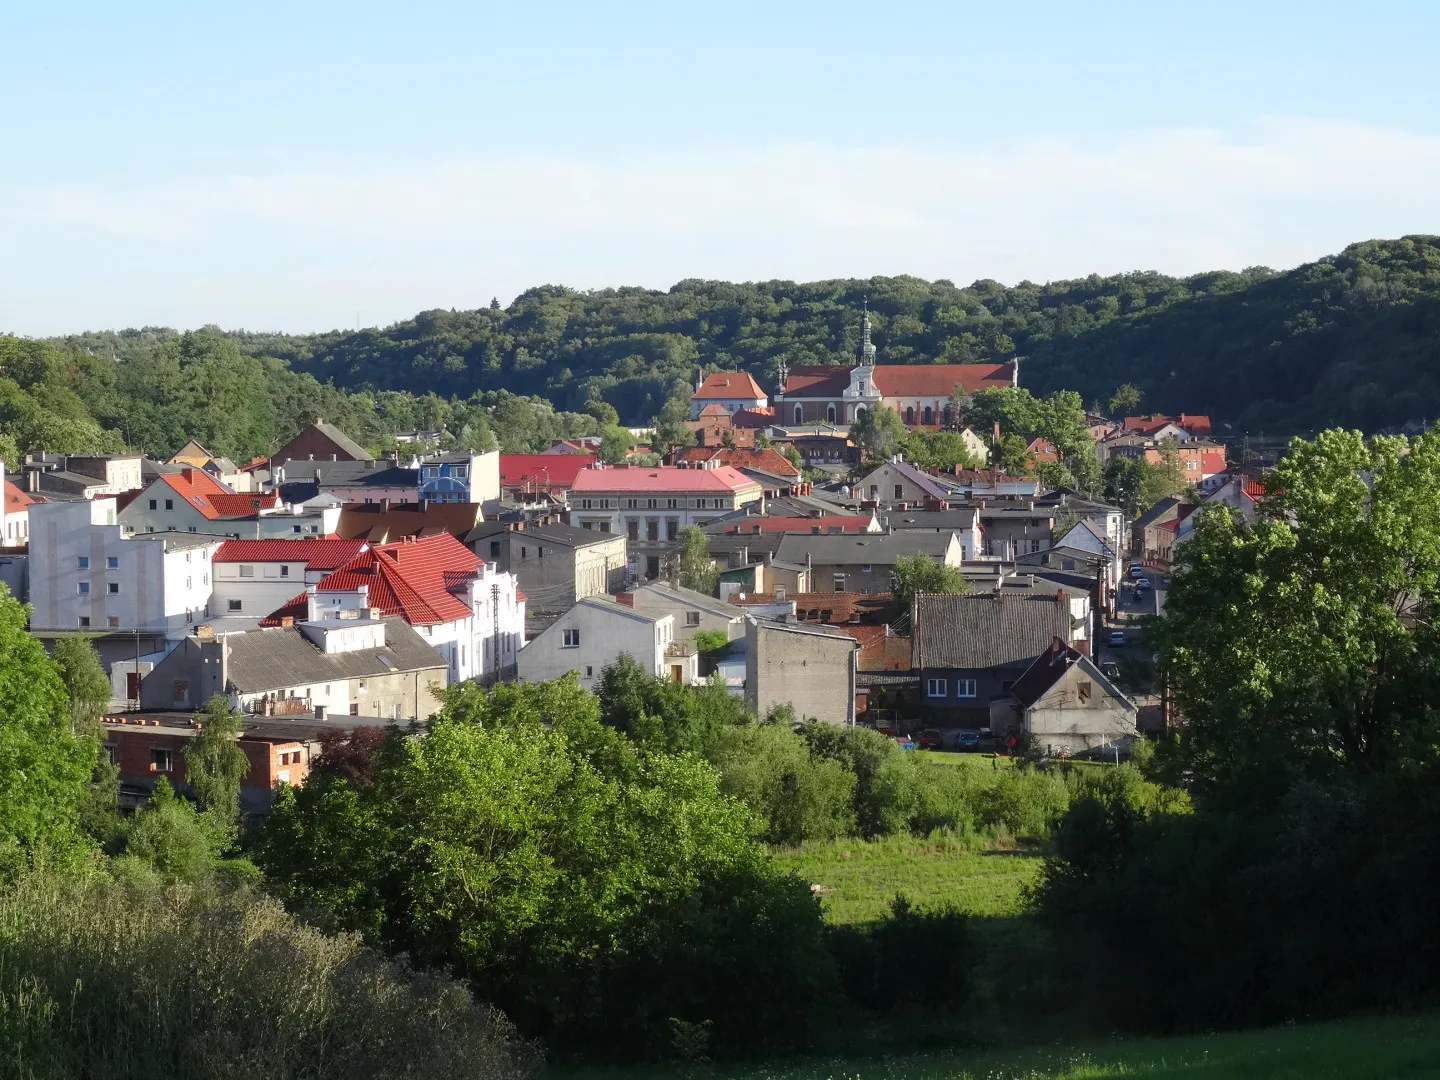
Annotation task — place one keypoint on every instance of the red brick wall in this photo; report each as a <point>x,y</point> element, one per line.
<point>133,745</point>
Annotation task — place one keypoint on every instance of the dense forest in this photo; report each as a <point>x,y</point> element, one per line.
<point>1351,340</point>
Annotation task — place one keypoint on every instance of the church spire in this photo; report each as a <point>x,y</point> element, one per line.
<point>865,351</point>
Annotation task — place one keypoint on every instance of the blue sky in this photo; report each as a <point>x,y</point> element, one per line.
<point>301,166</point>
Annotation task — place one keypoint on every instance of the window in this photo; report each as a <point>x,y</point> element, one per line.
<point>799,415</point>
<point>839,582</point>
<point>899,491</point>
<point>112,753</point>
<point>169,504</point>
<point>1084,691</point>
<point>191,529</point>
<point>355,709</point>
<point>653,503</point>
<point>1034,544</point>
<point>934,687</point>
<point>672,503</point>
<point>585,504</point>
<point>589,672</point>
<point>929,415</point>
<point>84,588</point>
<point>295,528</point>
<point>874,491</point>
<point>692,618</point>
<point>865,568</point>
<point>830,412</point>
<point>162,760</point>
<point>524,552</point>
<point>246,570</point>
<point>604,526</point>
<point>1068,564</point>
<point>113,621</point>
<point>112,562</point>
<point>570,639</point>
<point>84,622</point>
<point>632,528</point>
<point>113,588</point>
<point>964,687</point>
<point>539,552</point>
<point>82,563</point>
<point>590,525</point>
<point>284,570</point>
<point>234,605</point>
<point>152,504</point>
<point>672,528</point>
<point>910,415</point>
<point>652,529</point>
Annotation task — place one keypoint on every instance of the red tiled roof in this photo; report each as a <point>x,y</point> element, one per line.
<point>766,459</point>
<point>714,412</point>
<point>939,380</point>
<point>818,380</point>
<point>557,470</point>
<point>729,385</point>
<point>850,523</point>
<point>753,418</point>
<point>1195,424</point>
<point>195,486</point>
<point>411,579</point>
<point>318,554</point>
<point>244,505</point>
<point>255,463</point>
<point>15,499</point>
<point>297,607</point>
<point>662,478</point>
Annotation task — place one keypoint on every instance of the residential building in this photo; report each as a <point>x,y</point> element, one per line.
<point>321,442</point>
<point>765,459</point>
<point>819,445</point>
<point>1148,535</point>
<point>81,476</point>
<point>460,477</point>
<point>1187,425</point>
<point>651,504</point>
<point>968,651</point>
<point>191,500</point>
<point>135,595</point>
<point>195,456</point>
<point>363,481</point>
<point>733,391</point>
<point>808,667</point>
<point>1239,493</point>
<point>595,633</point>
<point>1012,528</point>
<point>1198,461</point>
<point>864,563</point>
<point>1105,520</point>
<point>470,612</point>
<point>693,611</point>
<point>147,746</point>
<point>920,393</point>
<point>556,565</point>
<point>898,482</point>
<point>1067,705</point>
<point>14,513</point>
<point>547,477</point>
<point>387,522</point>
<point>963,521</point>
<point>991,483</point>
<point>978,448</point>
<point>255,577</point>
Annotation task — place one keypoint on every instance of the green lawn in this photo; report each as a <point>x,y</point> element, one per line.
<point>859,878</point>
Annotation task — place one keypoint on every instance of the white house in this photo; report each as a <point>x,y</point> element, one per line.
<point>461,605</point>
<point>594,633</point>
<point>255,577</point>
<point>138,595</point>
<point>458,476</point>
<point>731,390</point>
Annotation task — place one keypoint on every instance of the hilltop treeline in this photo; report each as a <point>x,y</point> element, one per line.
<point>1353,339</point>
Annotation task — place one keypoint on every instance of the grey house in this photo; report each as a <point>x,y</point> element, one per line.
<point>863,562</point>
<point>969,651</point>
<point>1067,705</point>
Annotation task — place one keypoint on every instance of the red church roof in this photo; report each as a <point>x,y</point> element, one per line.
<point>729,386</point>
<point>538,470</point>
<point>939,380</point>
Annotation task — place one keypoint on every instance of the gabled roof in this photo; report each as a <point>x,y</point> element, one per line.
<point>677,594</point>
<point>986,630</point>
<point>729,385</point>
<point>939,380</point>
<point>411,579</point>
<point>921,479</point>
<point>845,523</point>
<point>660,478</point>
<point>1195,424</point>
<point>344,445</point>
<point>1048,668</point>
<point>879,549</point>
<point>766,459</point>
<point>195,486</point>
<point>539,470</point>
<point>753,417</point>
<point>317,554</point>
<point>192,453</point>
<point>268,659</point>
<point>1165,507</point>
<point>15,499</point>
<point>818,381</point>
<point>385,524</point>
<point>559,534</point>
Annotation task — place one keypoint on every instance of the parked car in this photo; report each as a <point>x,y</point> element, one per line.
<point>887,731</point>
<point>967,740</point>
<point>1137,570</point>
<point>932,739</point>
<point>904,742</point>
<point>1110,669</point>
<point>1117,639</point>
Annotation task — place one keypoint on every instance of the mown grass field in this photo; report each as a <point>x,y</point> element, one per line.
<point>1380,1049</point>
<point>858,879</point>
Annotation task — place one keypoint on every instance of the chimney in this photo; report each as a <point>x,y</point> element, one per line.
<point>205,632</point>
<point>287,622</point>
<point>189,474</point>
<point>32,479</point>
<point>628,599</point>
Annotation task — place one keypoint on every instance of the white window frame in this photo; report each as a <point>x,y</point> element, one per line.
<point>936,688</point>
<point>570,638</point>
<point>965,688</point>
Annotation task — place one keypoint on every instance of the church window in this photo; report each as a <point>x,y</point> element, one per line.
<point>830,412</point>
<point>929,415</point>
<point>910,415</point>
<point>799,414</point>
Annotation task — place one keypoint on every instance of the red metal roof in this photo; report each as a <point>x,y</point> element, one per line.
<point>939,380</point>
<point>662,478</point>
<point>318,554</point>
<point>556,470</point>
<point>411,579</point>
<point>728,386</point>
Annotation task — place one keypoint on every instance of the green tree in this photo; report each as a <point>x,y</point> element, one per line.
<point>1125,400</point>
<point>1163,478</point>
<point>943,450</point>
<point>86,685</point>
<point>920,573</point>
<point>170,837</point>
<point>214,763</point>
<point>710,640</point>
<point>798,795</point>
<point>44,767</point>
<point>670,426</point>
<point>1010,457</point>
<point>879,433</point>
<point>697,569</point>
<point>615,444</point>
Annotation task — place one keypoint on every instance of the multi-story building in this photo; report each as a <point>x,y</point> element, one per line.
<point>460,477</point>
<point>555,564</point>
<point>191,500</point>
<point>83,476</point>
<point>595,633</point>
<point>651,504</point>
<point>472,613</point>
<point>136,595</point>
<point>733,391</point>
<point>252,578</point>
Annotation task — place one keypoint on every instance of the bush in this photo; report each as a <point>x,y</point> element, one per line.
<point>885,785</point>
<point>120,981</point>
<point>797,796</point>
<point>910,957</point>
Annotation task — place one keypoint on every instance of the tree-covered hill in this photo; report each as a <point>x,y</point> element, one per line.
<point>1353,339</point>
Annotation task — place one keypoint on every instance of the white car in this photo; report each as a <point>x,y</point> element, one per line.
<point>1142,583</point>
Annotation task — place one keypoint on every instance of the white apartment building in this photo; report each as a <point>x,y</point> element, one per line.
<point>138,596</point>
<point>593,634</point>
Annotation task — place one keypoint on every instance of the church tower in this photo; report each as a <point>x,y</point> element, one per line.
<point>865,351</point>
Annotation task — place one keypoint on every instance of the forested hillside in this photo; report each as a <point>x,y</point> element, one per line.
<point>1353,340</point>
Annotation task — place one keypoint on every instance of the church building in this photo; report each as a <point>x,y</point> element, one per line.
<point>838,394</point>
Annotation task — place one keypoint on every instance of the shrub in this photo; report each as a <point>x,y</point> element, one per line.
<point>121,981</point>
<point>797,796</point>
<point>885,786</point>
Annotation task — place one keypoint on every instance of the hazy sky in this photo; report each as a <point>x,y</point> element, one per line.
<point>300,166</point>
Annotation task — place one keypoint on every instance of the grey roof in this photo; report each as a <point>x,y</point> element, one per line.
<point>935,520</point>
<point>178,541</point>
<point>690,598</point>
<point>931,485</point>
<point>282,656</point>
<point>564,535</point>
<point>1156,512</point>
<point>367,473</point>
<point>983,631</point>
<point>873,548</point>
<point>1047,668</point>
